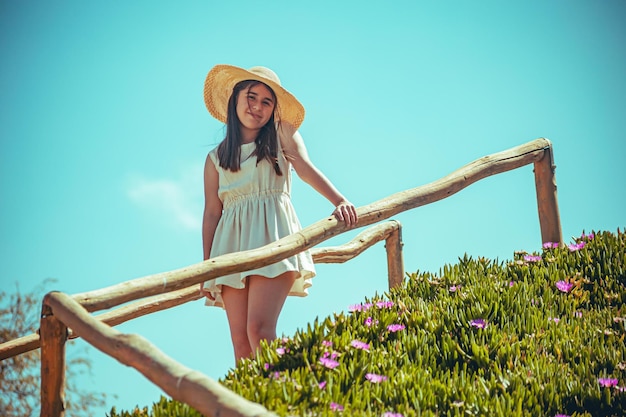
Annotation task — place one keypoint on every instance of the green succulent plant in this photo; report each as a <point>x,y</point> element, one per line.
<point>541,334</point>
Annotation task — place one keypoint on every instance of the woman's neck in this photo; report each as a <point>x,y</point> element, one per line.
<point>248,135</point>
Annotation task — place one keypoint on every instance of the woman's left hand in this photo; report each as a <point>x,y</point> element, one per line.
<point>346,212</point>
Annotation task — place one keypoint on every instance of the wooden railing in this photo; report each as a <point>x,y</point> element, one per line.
<point>60,311</point>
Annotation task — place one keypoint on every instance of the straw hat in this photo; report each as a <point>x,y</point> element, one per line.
<point>220,81</point>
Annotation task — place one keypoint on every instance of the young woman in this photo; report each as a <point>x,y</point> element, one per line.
<point>247,185</point>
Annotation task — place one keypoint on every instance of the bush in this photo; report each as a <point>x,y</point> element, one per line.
<point>540,335</point>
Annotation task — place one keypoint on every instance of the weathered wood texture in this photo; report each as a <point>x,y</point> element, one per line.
<point>331,254</point>
<point>181,383</point>
<point>53,336</point>
<point>395,259</point>
<point>352,249</point>
<point>547,202</point>
<point>18,346</point>
<point>320,231</point>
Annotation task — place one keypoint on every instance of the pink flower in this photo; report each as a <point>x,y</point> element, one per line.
<point>359,307</point>
<point>336,407</point>
<point>479,323</point>
<point>511,283</point>
<point>322,385</point>
<point>375,378</point>
<point>532,258</point>
<point>267,366</point>
<point>391,414</point>
<point>554,319</point>
<point>455,288</point>
<point>280,351</point>
<point>576,246</point>
<point>578,314</point>
<point>395,327</point>
<point>333,355</point>
<point>551,245</point>
<point>564,286</point>
<point>327,343</point>
<point>329,363</point>
<point>360,345</point>
<point>589,236</point>
<point>369,322</point>
<point>384,304</point>
<point>607,382</point>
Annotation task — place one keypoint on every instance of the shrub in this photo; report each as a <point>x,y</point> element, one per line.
<point>542,334</point>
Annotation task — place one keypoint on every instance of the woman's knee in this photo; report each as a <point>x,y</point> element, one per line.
<point>260,329</point>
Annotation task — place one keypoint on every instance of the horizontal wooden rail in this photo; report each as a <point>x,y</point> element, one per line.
<point>179,382</point>
<point>316,233</point>
<point>61,312</point>
<point>331,254</point>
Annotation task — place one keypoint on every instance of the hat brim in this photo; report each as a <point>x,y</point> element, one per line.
<point>218,88</point>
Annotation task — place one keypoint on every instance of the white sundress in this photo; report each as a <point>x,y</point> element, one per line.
<point>257,210</point>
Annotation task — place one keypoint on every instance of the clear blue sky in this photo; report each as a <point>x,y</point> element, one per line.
<point>104,132</point>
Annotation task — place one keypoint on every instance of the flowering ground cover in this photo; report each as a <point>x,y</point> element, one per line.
<point>539,335</point>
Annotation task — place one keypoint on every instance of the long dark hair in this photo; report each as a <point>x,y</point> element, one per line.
<point>229,150</point>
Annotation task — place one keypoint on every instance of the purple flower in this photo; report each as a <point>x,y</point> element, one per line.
<point>395,327</point>
<point>551,245</point>
<point>360,345</point>
<point>479,323</point>
<point>280,351</point>
<point>267,366</point>
<point>336,407</point>
<point>329,363</point>
<point>384,304</point>
<point>554,319</point>
<point>532,258</point>
<point>375,378</point>
<point>455,288</point>
<point>322,385</point>
<point>359,307</point>
<point>369,322</point>
<point>561,415</point>
<point>327,343</point>
<point>511,283</point>
<point>576,246</point>
<point>589,236</point>
<point>564,286</point>
<point>607,382</point>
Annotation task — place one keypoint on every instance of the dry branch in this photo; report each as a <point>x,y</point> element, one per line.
<point>53,336</point>
<point>363,241</point>
<point>547,203</point>
<point>181,383</point>
<point>317,232</point>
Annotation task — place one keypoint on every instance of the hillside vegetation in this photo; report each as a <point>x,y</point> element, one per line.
<point>541,334</point>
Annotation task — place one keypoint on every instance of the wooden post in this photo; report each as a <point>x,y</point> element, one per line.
<point>395,260</point>
<point>53,335</point>
<point>547,203</point>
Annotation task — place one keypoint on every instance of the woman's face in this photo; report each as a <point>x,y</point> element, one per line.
<point>255,106</point>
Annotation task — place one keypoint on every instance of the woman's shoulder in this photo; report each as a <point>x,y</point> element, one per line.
<point>212,155</point>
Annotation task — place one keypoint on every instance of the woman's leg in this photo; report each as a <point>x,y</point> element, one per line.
<point>236,306</point>
<point>266,297</point>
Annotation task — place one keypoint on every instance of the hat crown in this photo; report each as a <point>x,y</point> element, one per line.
<point>221,79</point>
<point>265,73</point>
